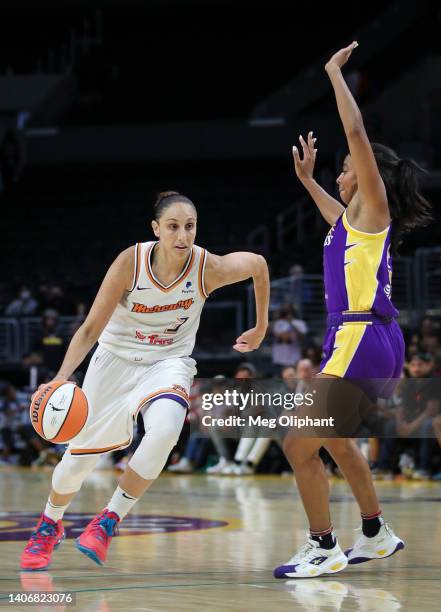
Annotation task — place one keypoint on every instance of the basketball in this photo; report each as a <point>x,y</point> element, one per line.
<point>59,411</point>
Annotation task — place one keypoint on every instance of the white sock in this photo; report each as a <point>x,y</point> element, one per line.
<point>55,512</point>
<point>121,502</point>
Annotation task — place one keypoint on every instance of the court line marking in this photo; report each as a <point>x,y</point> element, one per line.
<point>167,586</point>
<point>115,575</point>
<point>192,585</point>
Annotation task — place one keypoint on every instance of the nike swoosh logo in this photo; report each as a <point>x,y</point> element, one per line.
<point>127,496</point>
<point>143,288</point>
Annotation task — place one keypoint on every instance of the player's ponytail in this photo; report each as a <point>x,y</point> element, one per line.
<point>166,199</point>
<point>408,208</point>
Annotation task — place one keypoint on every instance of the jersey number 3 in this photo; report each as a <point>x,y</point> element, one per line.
<point>175,326</point>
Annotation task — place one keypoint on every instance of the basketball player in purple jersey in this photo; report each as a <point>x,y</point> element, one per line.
<point>381,202</point>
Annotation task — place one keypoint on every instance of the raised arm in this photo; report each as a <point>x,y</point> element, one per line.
<point>330,208</point>
<point>115,283</point>
<point>372,193</point>
<point>234,268</point>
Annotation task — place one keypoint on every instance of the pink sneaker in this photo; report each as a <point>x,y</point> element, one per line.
<point>96,538</point>
<point>38,552</point>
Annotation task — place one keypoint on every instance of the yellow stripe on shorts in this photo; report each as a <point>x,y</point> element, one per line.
<point>347,341</point>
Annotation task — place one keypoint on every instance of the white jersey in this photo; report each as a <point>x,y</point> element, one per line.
<point>152,321</point>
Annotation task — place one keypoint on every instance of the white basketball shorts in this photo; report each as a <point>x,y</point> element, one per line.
<point>118,389</point>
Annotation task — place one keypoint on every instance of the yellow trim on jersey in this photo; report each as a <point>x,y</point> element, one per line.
<point>363,255</point>
<point>347,341</point>
<point>349,228</point>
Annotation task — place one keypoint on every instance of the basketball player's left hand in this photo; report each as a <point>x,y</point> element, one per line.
<point>340,58</point>
<point>249,340</point>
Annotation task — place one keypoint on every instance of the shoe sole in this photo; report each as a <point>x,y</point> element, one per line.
<point>88,552</point>
<point>357,560</point>
<point>46,567</point>
<point>328,572</point>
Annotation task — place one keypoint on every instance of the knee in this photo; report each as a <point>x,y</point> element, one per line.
<point>71,471</point>
<point>341,447</point>
<point>298,454</point>
<point>166,433</point>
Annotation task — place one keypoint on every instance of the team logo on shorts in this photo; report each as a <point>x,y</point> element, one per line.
<point>16,526</point>
<point>179,388</point>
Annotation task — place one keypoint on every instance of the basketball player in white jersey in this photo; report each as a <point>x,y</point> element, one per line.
<point>145,318</point>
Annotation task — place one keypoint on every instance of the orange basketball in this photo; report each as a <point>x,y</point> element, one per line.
<point>59,411</point>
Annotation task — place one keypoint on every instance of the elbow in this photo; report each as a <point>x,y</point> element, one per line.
<point>261,262</point>
<point>356,127</point>
<point>89,332</point>
<point>261,266</point>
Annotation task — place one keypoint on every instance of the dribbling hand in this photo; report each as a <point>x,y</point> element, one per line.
<point>305,167</point>
<point>249,340</point>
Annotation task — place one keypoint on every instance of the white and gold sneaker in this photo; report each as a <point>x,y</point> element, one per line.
<point>383,545</point>
<point>312,561</point>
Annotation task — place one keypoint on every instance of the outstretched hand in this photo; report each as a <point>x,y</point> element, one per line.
<point>340,58</point>
<point>305,167</point>
<point>249,340</point>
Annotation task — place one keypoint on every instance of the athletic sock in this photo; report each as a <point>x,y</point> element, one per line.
<point>325,538</point>
<point>54,512</point>
<point>371,524</point>
<point>121,502</point>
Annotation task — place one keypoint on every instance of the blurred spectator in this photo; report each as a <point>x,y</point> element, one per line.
<point>412,427</point>
<point>286,347</point>
<point>52,297</point>
<point>300,292</point>
<point>24,305</point>
<point>304,374</point>
<point>299,324</point>
<point>226,465</point>
<point>288,376</point>
<point>245,371</point>
<point>412,350</point>
<point>314,354</point>
<point>196,449</point>
<point>6,424</point>
<point>19,440</point>
<point>80,317</point>
<point>249,451</point>
<point>49,347</point>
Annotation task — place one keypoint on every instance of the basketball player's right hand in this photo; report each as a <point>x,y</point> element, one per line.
<point>249,340</point>
<point>55,379</point>
<point>305,167</point>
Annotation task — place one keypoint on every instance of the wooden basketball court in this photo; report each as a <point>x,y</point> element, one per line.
<point>210,543</point>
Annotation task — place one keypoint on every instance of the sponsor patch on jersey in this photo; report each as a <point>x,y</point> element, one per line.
<point>142,308</point>
<point>188,287</point>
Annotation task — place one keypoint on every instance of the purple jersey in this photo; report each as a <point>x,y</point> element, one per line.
<point>358,270</point>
